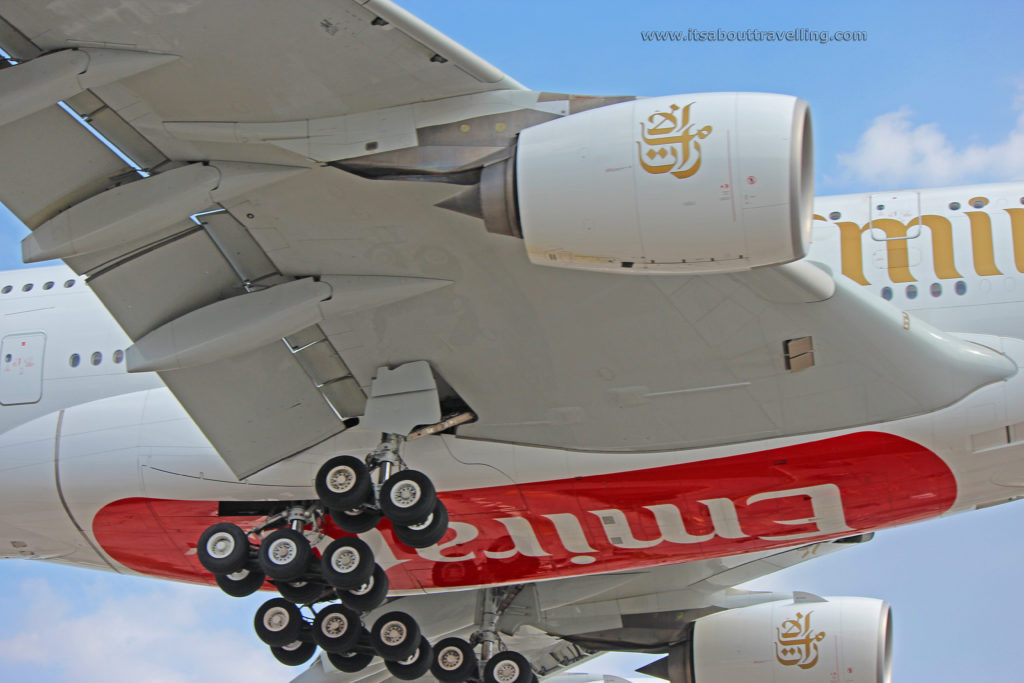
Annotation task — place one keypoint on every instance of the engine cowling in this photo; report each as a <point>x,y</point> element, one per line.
<point>790,641</point>
<point>717,182</point>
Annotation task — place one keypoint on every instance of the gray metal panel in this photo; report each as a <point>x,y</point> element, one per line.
<point>256,409</point>
<point>51,162</point>
<point>256,58</point>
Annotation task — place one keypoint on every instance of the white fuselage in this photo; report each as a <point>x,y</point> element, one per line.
<point>88,450</point>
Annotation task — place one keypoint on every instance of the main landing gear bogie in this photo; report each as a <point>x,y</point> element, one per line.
<point>356,494</point>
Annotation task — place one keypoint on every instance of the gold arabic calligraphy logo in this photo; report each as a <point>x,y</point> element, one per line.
<point>796,643</point>
<point>669,144</point>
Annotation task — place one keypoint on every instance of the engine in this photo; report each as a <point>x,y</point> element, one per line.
<point>808,638</point>
<point>718,182</point>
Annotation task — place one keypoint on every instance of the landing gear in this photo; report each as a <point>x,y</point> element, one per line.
<point>294,654</point>
<point>347,563</point>
<point>278,622</point>
<point>413,666</point>
<point>242,583</point>
<point>395,636</point>
<point>223,548</point>
<point>370,595</point>
<point>508,667</point>
<point>356,494</point>
<point>454,661</point>
<point>285,555</point>
<point>337,629</point>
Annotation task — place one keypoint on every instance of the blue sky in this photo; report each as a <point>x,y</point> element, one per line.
<point>933,97</point>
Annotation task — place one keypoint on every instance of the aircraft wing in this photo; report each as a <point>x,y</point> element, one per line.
<point>303,177</point>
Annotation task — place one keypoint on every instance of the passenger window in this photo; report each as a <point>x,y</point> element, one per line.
<point>887,293</point>
<point>961,287</point>
<point>96,358</point>
<point>118,356</point>
<point>936,289</point>
<point>7,289</point>
<point>911,291</point>
<point>69,283</point>
<point>27,288</point>
<point>48,285</point>
<point>74,360</point>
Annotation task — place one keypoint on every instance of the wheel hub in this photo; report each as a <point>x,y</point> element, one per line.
<point>345,560</point>
<point>220,545</point>
<point>334,626</point>
<point>405,494</point>
<point>282,551</point>
<point>276,619</point>
<point>506,672</point>
<point>450,658</point>
<point>341,479</point>
<point>393,633</point>
<point>239,575</point>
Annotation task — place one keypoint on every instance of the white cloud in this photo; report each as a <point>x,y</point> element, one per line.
<point>896,152</point>
<point>167,633</point>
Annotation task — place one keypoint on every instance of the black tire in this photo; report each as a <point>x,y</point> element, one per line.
<point>395,636</point>
<point>417,664</point>
<point>223,548</point>
<point>407,497</point>
<point>242,583</point>
<point>343,482</point>
<point>428,532</point>
<point>300,592</point>
<point>350,662</point>
<point>356,520</point>
<point>285,555</point>
<point>337,628</point>
<point>293,654</point>
<point>347,563</point>
<point>278,622</point>
<point>369,595</point>
<point>508,667</point>
<point>454,661</point>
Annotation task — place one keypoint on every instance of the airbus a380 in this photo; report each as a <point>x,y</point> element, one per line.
<point>481,381</point>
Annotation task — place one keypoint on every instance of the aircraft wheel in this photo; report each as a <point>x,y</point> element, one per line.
<point>413,666</point>
<point>508,667</point>
<point>347,563</point>
<point>300,592</point>
<point>407,497</point>
<point>337,628</point>
<point>278,622</point>
<point>293,654</point>
<point>395,636</point>
<point>453,661</point>
<point>343,482</point>
<point>242,583</point>
<point>369,595</point>
<point>223,548</point>
<point>350,662</point>
<point>285,555</point>
<point>356,520</point>
<point>426,533</point>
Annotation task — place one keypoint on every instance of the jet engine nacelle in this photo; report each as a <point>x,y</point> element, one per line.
<point>716,182</point>
<point>810,638</point>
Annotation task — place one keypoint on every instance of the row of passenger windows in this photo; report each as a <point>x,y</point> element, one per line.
<point>936,290</point>
<point>7,289</point>
<point>96,358</point>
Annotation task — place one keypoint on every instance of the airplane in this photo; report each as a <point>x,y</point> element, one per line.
<point>544,498</point>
